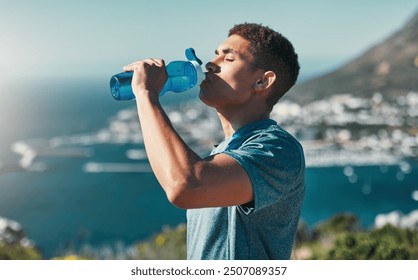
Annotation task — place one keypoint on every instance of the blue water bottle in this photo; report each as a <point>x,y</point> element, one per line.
<point>182,75</point>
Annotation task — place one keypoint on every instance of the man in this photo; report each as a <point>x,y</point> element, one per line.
<point>244,200</point>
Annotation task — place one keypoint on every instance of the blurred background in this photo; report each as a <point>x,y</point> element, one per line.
<point>74,177</point>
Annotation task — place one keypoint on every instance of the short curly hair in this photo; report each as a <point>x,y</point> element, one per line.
<point>272,52</point>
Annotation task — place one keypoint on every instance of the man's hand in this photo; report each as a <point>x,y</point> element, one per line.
<point>149,77</point>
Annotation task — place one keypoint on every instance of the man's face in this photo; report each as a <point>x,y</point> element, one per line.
<point>231,75</point>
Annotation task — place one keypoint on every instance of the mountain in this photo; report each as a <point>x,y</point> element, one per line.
<point>390,67</point>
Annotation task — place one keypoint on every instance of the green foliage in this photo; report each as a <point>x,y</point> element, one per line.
<point>340,223</point>
<point>70,258</point>
<point>170,244</point>
<point>341,239</point>
<point>18,252</point>
<point>387,243</point>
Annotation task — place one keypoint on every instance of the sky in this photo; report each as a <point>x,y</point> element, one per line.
<point>80,38</point>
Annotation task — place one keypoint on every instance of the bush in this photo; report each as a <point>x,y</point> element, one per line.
<point>170,244</point>
<point>342,238</point>
<point>18,252</point>
<point>340,223</point>
<point>387,243</point>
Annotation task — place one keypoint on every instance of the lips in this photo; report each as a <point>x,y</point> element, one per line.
<point>208,77</point>
<point>206,80</point>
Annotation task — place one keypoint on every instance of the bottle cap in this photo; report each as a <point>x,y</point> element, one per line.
<point>192,57</point>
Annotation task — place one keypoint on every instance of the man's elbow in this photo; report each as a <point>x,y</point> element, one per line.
<point>180,195</point>
<point>178,201</point>
<point>182,188</point>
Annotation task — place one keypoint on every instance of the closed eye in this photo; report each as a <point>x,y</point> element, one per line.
<point>228,52</point>
<point>229,57</point>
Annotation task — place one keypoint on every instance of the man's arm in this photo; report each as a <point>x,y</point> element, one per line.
<point>188,180</point>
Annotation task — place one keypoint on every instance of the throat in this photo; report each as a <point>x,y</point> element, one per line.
<point>231,125</point>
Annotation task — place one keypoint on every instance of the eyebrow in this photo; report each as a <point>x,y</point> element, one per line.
<point>227,50</point>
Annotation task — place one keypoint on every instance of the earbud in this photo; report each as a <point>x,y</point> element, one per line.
<point>259,84</point>
<point>266,80</point>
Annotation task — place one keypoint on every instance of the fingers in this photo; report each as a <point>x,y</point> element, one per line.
<point>141,64</point>
<point>156,61</point>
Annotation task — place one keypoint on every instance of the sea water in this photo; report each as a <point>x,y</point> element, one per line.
<point>88,181</point>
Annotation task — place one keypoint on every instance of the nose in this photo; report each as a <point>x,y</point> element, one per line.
<point>212,67</point>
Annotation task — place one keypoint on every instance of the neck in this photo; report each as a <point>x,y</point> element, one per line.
<point>232,122</point>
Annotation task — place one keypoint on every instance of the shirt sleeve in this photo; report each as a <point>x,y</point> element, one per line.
<point>273,164</point>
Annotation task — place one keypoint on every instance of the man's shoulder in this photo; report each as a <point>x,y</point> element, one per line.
<point>269,133</point>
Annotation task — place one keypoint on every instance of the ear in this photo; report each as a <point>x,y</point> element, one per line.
<point>266,81</point>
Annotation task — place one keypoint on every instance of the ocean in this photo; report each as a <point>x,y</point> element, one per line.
<point>73,172</point>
